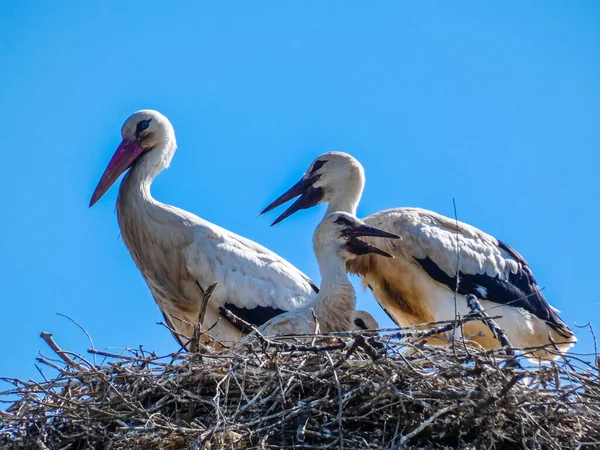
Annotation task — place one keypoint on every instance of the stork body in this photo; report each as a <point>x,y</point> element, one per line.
<point>334,243</point>
<point>420,284</point>
<point>180,255</point>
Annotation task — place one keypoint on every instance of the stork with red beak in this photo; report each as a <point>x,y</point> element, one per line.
<point>180,255</point>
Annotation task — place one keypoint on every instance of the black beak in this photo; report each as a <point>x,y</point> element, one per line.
<point>309,197</point>
<point>358,247</point>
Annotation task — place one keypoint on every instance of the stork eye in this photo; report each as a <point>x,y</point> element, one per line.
<point>360,324</point>
<point>142,125</point>
<point>317,166</point>
<point>343,221</point>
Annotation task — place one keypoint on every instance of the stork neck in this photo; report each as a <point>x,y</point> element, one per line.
<point>332,268</point>
<point>346,196</point>
<point>335,304</point>
<point>138,180</point>
<point>345,203</point>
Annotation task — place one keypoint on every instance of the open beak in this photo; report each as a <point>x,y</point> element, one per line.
<point>127,152</point>
<point>358,247</point>
<point>309,197</point>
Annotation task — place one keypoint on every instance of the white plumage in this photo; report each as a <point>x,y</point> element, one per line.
<point>419,285</point>
<point>180,254</point>
<point>334,243</point>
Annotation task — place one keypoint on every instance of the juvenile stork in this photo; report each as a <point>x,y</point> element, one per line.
<point>335,243</point>
<point>180,255</point>
<point>420,284</point>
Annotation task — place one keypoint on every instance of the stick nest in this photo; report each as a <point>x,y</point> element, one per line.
<point>341,394</point>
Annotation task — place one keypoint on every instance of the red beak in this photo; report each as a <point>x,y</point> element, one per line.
<point>127,152</point>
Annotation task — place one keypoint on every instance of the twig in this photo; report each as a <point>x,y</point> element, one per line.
<point>274,343</point>
<point>596,354</point>
<point>175,333</point>
<point>456,274</point>
<point>204,304</point>
<point>427,422</point>
<point>197,334</point>
<point>421,334</point>
<point>41,373</point>
<point>51,364</point>
<point>82,329</point>
<point>366,346</point>
<point>340,401</point>
<point>47,337</point>
<point>498,332</point>
<point>493,398</point>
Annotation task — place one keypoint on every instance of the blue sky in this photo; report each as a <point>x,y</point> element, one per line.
<point>496,105</point>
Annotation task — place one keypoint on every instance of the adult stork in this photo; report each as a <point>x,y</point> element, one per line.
<point>420,284</point>
<point>180,255</point>
<point>335,242</point>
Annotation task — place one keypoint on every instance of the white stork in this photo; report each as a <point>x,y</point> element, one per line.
<point>180,255</point>
<point>420,285</point>
<point>335,242</point>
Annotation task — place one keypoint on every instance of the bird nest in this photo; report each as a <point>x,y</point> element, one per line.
<point>342,392</point>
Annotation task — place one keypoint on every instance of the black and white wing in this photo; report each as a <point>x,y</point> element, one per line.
<point>252,282</point>
<point>487,267</point>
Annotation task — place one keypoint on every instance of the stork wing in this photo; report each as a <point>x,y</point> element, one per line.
<point>487,268</point>
<point>253,282</point>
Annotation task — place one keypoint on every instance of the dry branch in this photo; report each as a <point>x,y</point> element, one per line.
<point>195,343</point>
<point>498,332</point>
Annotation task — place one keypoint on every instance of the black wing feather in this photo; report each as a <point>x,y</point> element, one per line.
<point>314,286</point>
<point>256,316</point>
<point>520,290</point>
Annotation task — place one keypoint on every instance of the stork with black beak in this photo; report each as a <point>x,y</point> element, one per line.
<point>180,255</point>
<point>437,263</point>
<point>335,242</point>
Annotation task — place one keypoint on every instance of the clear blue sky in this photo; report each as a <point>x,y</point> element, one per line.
<point>495,105</point>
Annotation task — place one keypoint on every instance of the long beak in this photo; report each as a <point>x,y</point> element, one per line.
<point>127,152</point>
<point>309,197</point>
<point>358,247</point>
<point>365,230</point>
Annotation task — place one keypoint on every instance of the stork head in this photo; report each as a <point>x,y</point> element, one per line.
<point>364,321</point>
<point>338,232</point>
<point>335,177</point>
<point>146,132</point>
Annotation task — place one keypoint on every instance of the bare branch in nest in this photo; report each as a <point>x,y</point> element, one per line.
<point>270,342</point>
<point>47,337</point>
<point>429,328</point>
<point>82,329</point>
<point>195,344</point>
<point>238,321</point>
<point>340,402</point>
<point>204,304</point>
<point>498,332</point>
<point>175,333</point>
<point>407,437</point>
<point>366,346</point>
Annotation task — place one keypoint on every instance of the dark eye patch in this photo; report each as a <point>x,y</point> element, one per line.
<point>360,324</point>
<point>141,126</point>
<point>342,221</point>
<point>317,166</point>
